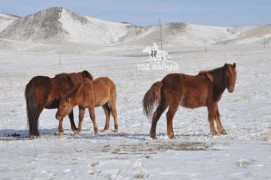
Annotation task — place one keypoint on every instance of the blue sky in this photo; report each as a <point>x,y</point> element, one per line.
<point>148,12</point>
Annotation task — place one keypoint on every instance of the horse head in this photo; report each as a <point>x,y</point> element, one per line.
<point>64,108</point>
<point>230,76</point>
<point>223,77</point>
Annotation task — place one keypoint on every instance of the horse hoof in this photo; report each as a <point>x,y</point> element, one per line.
<point>116,130</point>
<point>105,130</point>
<point>214,133</point>
<point>172,137</point>
<point>34,137</point>
<point>153,136</point>
<point>224,132</point>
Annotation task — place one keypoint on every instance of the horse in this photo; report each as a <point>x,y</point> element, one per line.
<point>91,94</point>
<point>204,89</point>
<point>45,92</point>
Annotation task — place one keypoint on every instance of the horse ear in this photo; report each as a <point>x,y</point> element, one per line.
<point>234,65</point>
<point>210,77</point>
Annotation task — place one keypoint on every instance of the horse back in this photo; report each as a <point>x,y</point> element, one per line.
<point>194,91</point>
<point>40,84</point>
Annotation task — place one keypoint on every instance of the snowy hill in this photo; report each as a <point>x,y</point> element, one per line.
<point>41,26</point>
<point>180,34</point>
<point>86,29</point>
<point>58,24</point>
<point>251,34</point>
<point>6,20</point>
<point>55,25</point>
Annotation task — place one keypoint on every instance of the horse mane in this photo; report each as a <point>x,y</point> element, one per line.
<point>212,71</point>
<point>216,76</point>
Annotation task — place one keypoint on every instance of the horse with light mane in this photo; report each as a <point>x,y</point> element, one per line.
<point>204,89</point>
<point>90,94</point>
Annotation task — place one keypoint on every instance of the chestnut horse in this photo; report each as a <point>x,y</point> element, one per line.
<point>90,94</point>
<point>204,89</point>
<point>44,92</point>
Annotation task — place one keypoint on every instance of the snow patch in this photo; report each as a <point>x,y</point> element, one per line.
<point>92,30</point>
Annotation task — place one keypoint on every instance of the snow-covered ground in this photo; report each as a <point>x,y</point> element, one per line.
<point>130,154</point>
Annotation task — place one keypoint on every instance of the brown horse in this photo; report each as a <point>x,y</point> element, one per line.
<point>44,92</point>
<point>204,89</point>
<point>91,94</point>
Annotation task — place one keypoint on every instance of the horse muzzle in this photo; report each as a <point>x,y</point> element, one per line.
<point>230,90</point>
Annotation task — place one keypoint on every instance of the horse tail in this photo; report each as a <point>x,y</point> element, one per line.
<point>86,74</point>
<point>31,109</point>
<point>152,97</point>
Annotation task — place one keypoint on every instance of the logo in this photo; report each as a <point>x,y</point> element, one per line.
<point>158,60</point>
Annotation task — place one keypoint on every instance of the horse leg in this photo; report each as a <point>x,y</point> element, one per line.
<point>212,112</point>
<point>112,103</point>
<point>107,115</point>
<point>33,124</point>
<point>71,117</point>
<point>35,127</point>
<point>92,116</point>
<point>60,127</point>
<point>170,114</point>
<point>156,116</point>
<point>81,117</point>
<point>173,99</point>
<point>220,127</point>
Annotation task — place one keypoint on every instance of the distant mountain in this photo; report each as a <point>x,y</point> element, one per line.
<point>179,34</point>
<point>59,25</point>
<point>250,34</point>
<point>6,20</point>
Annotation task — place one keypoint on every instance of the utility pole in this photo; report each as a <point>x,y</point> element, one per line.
<point>59,57</point>
<point>59,44</point>
<point>264,42</point>
<point>161,40</point>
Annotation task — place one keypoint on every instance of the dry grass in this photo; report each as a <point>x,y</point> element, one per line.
<point>266,138</point>
<point>139,175</point>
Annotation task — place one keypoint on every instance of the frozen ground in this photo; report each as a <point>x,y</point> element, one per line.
<point>242,154</point>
